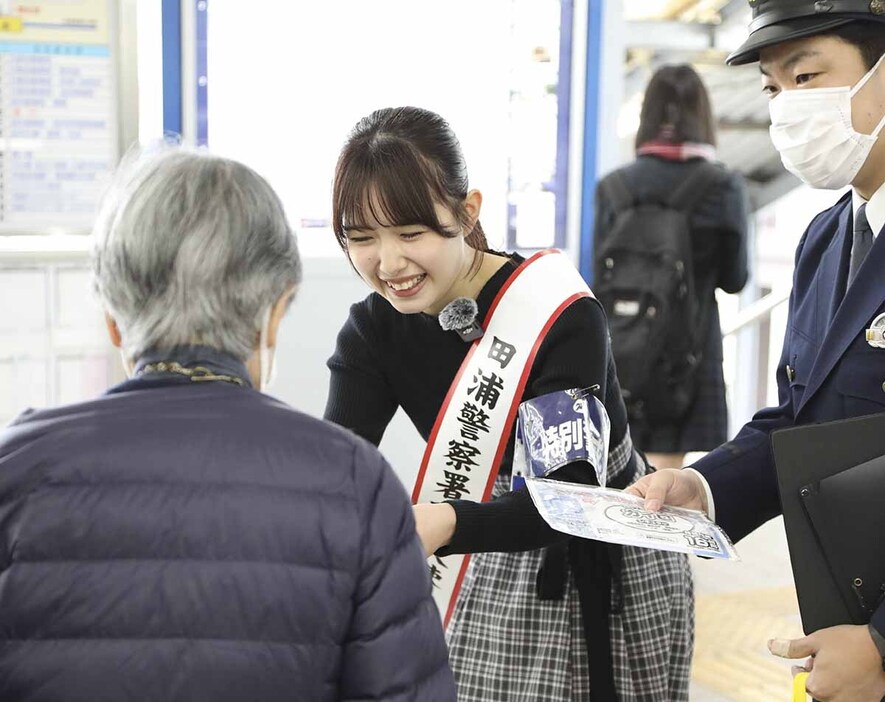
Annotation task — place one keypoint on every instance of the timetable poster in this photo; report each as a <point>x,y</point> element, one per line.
<point>58,113</point>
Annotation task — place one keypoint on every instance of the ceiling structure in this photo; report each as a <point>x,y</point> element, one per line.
<point>703,33</point>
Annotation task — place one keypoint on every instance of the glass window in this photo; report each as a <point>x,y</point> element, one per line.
<point>287,81</point>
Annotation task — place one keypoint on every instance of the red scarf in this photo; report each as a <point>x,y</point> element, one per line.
<point>671,151</point>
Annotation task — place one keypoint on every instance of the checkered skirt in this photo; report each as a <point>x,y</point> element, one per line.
<point>505,644</point>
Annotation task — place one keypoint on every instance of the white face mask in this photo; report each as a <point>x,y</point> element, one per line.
<point>127,364</point>
<point>812,130</point>
<point>268,368</point>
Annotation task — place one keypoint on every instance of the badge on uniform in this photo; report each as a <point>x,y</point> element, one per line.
<point>876,332</point>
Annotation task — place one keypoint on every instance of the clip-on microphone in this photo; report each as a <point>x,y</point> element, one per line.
<point>460,316</point>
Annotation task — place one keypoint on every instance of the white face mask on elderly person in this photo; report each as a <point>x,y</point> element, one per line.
<point>812,130</point>
<point>266,356</point>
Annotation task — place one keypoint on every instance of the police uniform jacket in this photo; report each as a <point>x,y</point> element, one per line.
<point>827,370</point>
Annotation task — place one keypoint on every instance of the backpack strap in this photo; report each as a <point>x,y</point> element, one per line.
<point>615,188</point>
<point>690,191</point>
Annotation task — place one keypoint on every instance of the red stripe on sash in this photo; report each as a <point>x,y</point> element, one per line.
<point>509,282</point>
<point>505,435</point>
<point>425,460</point>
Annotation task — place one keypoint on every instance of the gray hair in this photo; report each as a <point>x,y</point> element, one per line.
<point>191,249</point>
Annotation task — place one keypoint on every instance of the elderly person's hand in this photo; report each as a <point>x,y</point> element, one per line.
<point>844,662</point>
<point>435,524</point>
<point>677,488</point>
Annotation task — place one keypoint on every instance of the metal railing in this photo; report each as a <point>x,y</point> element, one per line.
<point>756,312</point>
<point>755,341</point>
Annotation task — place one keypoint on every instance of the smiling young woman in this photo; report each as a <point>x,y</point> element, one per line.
<point>539,615</point>
<point>412,266</point>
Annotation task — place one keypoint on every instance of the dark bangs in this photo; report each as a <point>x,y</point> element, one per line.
<point>388,174</point>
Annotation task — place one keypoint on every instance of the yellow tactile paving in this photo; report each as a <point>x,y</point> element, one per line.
<point>730,653</point>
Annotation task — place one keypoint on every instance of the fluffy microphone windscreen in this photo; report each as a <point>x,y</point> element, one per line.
<point>460,313</point>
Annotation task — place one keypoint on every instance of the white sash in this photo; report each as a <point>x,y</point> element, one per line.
<point>475,421</point>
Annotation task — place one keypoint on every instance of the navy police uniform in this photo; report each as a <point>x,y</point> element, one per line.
<point>828,370</point>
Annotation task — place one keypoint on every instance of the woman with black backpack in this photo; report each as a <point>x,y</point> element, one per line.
<point>670,228</point>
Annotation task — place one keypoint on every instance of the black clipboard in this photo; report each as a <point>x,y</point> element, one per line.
<point>831,478</point>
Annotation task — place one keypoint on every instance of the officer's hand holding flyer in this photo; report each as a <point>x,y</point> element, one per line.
<point>563,427</point>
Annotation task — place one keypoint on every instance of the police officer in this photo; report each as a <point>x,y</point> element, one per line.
<point>821,64</point>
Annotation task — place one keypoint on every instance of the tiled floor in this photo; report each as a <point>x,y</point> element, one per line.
<point>731,658</point>
<point>739,607</point>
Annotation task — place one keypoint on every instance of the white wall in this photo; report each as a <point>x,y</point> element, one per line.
<point>53,345</point>
<point>307,339</point>
<point>288,81</point>
<point>611,88</point>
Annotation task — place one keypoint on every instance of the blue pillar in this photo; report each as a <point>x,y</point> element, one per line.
<point>171,14</point>
<point>202,73</point>
<point>590,154</point>
<point>185,96</point>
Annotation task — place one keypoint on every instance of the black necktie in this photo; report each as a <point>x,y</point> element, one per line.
<point>861,243</point>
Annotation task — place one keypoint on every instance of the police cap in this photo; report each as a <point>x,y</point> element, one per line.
<point>777,21</point>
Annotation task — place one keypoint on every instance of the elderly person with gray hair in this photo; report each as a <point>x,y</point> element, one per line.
<point>184,536</point>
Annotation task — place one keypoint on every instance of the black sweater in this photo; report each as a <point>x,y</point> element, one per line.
<point>385,359</point>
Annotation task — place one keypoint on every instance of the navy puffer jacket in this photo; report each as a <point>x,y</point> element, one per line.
<point>182,541</point>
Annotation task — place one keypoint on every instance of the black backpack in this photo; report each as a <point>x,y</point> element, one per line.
<point>644,278</point>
